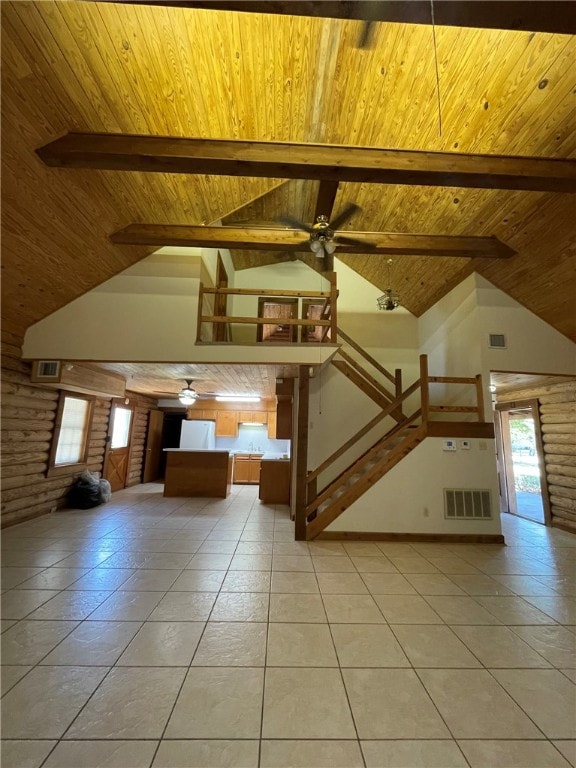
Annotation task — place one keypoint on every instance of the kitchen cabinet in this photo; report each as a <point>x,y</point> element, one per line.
<point>284,419</point>
<point>247,468</point>
<point>272,424</point>
<point>227,424</point>
<point>253,417</point>
<point>200,414</point>
<point>275,481</point>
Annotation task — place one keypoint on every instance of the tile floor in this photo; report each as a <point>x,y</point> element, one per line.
<point>193,633</point>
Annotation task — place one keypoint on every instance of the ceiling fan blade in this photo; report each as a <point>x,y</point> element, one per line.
<point>353,241</point>
<point>292,221</point>
<point>345,215</point>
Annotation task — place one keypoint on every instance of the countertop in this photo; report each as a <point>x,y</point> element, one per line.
<point>196,450</point>
<point>275,457</point>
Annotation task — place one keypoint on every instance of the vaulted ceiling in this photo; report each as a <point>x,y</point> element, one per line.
<point>174,71</point>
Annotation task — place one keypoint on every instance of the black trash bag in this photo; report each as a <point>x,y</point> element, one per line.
<point>86,492</point>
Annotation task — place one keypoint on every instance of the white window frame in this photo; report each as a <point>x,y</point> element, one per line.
<point>57,469</point>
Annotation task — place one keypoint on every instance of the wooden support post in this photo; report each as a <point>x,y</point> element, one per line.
<point>480,398</point>
<point>302,451</point>
<point>200,312</point>
<point>424,389</point>
<point>333,303</point>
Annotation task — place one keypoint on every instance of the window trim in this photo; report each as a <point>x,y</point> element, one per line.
<point>55,470</point>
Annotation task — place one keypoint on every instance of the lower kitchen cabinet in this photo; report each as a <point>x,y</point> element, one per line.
<point>275,481</point>
<point>247,469</point>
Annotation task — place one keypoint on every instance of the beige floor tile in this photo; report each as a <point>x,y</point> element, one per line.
<point>568,749</point>
<point>207,754</point>
<point>297,563</point>
<point>461,610</point>
<point>326,549</point>
<point>512,754</point>
<point>218,548</point>
<point>70,605</point>
<point>557,644</point>
<point>300,645</point>
<point>333,564</point>
<point>306,704</point>
<point>524,585</point>
<point>102,754</point>
<point>406,609</point>
<point>16,604</point>
<point>93,643</point>
<point>367,645</point>
<point>546,695</point>
<point>218,703</point>
<point>341,584</point>
<point>168,560</point>
<point>25,754</point>
<point>198,581</point>
<point>433,646</point>
<point>361,549</point>
<point>232,644</point>
<point>569,673</point>
<point>6,624</point>
<point>130,704</point>
<point>499,647</point>
<point>145,580</point>
<point>184,606</point>
<point>412,564</point>
<point>104,578</point>
<point>251,562</point>
<point>240,606</point>
<point>29,641</point>
<point>373,564</point>
<point>127,606</point>
<point>291,548</point>
<point>433,584</point>
<point>254,548</point>
<point>452,564</point>
<point>246,581</point>
<point>413,754</point>
<point>392,704</point>
<point>352,609</point>
<point>514,610</point>
<point>388,584</point>
<point>474,706</point>
<point>308,754</point>
<point>562,609</point>
<point>210,562</point>
<point>298,608</point>
<point>10,675</point>
<point>51,578</point>
<point>163,644</point>
<point>44,703</point>
<point>294,583</point>
<point>476,584</point>
<point>396,548</point>
<point>126,560</point>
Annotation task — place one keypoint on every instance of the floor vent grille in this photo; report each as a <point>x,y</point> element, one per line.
<point>463,504</point>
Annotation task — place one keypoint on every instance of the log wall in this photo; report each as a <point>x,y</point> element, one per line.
<point>28,415</point>
<point>557,406</point>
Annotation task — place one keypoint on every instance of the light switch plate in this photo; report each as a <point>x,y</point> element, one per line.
<point>449,445</point>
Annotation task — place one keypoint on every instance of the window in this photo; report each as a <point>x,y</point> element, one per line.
<point>71,432</point>
<point>121,428</point>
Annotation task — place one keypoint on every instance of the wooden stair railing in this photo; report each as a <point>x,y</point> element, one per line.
<point>373,464</point>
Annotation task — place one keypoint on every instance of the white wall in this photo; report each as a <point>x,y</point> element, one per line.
<point>410,498</point>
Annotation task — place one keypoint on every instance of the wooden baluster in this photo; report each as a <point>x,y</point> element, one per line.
<point>424,388</point>
<point>480,398</point>
<point>333,314</point>
<point>200,304</point>
<point>302,452</point>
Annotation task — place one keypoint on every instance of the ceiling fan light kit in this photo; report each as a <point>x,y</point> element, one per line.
<point>187,395</point>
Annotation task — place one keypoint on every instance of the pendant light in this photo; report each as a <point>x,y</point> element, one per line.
<point>389,299</point>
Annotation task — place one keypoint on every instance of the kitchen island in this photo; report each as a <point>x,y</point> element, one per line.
<point>197,473</point>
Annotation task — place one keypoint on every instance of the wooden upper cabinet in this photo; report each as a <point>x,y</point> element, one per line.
<point>227,424</point>
<point>209,415</point>
<point>272,424</point>
<point>253,417</point>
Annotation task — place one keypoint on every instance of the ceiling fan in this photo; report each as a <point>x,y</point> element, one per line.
<point>323,233</point>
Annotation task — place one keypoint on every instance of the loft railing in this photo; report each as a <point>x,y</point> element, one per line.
<point>220,325</point>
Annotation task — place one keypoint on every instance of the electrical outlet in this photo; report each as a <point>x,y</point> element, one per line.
<point>449,445</point>
<point>465,445</point>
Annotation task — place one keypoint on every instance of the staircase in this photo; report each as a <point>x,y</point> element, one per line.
<point>324,506</point>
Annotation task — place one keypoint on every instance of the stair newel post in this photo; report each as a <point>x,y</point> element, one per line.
<point>480,398</point>
<point>424,388</point>
<point>333,312</point>
<point>200,310</point>
<point>301,445</point>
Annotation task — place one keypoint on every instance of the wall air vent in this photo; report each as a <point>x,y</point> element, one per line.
<point>48,369</point>
<point>497,341</point>
<point>463,504</point>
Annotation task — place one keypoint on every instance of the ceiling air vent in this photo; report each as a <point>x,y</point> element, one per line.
<point>48,369</point>
<point>497,341</point>
<point>463,504</point>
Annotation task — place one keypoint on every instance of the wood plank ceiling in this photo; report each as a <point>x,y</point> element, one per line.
<point>214,74</point>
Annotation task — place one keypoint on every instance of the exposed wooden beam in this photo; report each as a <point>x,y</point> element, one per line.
<point>165,154</point>
<point>531,16</point>
<point>260,239</point>
<point>327,192</point>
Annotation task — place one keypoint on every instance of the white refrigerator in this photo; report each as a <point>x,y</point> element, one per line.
<point>198,435</point>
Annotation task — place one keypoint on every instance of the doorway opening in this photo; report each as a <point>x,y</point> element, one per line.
<point>521,461</point>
